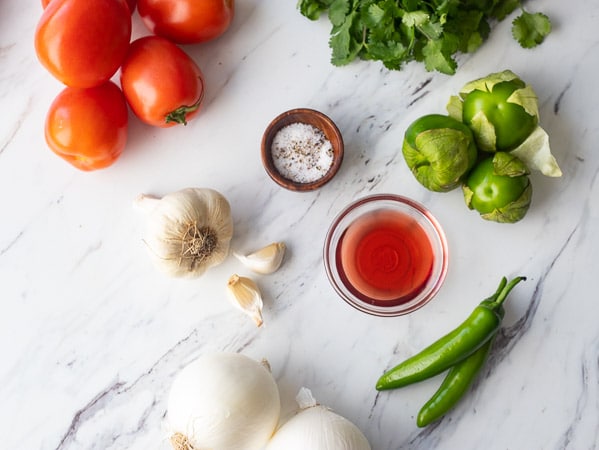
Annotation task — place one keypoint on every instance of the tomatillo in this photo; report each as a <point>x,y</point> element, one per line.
<point>499,189</point>
<point>501,110</point>
<point>439,150</point>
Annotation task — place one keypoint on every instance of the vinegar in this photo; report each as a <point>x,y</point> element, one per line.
<point>385,257</point>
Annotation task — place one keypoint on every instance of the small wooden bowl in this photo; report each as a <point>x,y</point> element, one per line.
<point>310,117</point>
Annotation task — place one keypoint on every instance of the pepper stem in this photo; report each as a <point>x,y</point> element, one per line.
<point>504,290</point>
<point>502,284</point>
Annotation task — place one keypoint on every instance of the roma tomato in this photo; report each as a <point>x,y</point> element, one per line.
<point>187,21</point>
<point>130,3</point>
<point>88,126</point>
<point>161,83</point>
<point>83,43</point>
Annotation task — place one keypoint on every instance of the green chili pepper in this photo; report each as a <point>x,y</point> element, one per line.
<point>452,348</point>
<point>457,381</point>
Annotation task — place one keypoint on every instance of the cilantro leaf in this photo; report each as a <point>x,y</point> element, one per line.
<point>374,16</point>
<point>338,12</point>
<point>395,32</point>
<point>431,29</point>
<point>313,8</point>
<point>465,26</point>
<point>475,40</point>
<point>504,8</point>
<point>344,45</point>
<point>437,57</point>
<point>390,53</point>
<point>415,18</point>
<point>530,29</point>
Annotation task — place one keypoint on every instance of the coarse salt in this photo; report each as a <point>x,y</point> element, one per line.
<point>302,153</point>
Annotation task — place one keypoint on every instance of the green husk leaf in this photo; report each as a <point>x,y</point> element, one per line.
<point>454,107</point>
<point>440,159</point>
<point>486,84</point>
<point>527,98</point>
<point>484,132</point>
<point>508,164</point>
<point>468,194</point>
<point>535,152</point>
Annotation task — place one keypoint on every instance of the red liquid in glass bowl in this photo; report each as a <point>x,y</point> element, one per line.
<point>386,255</point>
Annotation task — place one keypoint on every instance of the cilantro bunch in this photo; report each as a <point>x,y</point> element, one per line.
<point>429,31</point>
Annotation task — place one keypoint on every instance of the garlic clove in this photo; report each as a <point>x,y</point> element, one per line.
<point>246,295</point>
<point>266,260</point>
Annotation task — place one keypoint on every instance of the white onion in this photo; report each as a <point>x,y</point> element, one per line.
<point>223,401</point>
<point>316,427</point>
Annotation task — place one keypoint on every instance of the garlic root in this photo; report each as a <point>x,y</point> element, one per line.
<point>180,442</point>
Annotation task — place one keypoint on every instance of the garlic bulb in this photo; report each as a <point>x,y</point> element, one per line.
<point>266,260</point>
<point>316,427</point>
<point>224,401</point>
<point>188,231</point>
<point>245,294</point>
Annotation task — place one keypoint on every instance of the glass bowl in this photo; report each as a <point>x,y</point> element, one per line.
<point>386,255</point>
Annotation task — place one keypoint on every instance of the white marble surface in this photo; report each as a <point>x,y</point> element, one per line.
<point>91,335</point>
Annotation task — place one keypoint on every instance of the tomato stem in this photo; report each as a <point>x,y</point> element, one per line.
<point>179,115</point>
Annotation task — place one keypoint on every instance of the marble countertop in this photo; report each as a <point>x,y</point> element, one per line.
<point>92,335</point>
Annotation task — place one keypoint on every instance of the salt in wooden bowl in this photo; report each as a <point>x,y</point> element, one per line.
<point>309,117</point>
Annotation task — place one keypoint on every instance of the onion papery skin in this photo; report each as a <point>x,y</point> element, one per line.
<point>318,428</point>
<point>224,401</point>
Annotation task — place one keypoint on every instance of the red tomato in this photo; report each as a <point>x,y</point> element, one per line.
<point>162,84</point>
<point>130,3</point>
<point>187,21</point>
<point>82,42</point>
<point>88,126</point>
